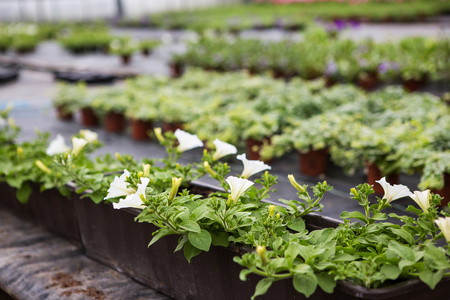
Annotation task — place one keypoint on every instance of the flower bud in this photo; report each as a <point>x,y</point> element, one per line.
<point>271,210</point>
<point>19,152</point>
<point>353,192</point>
<point>43,167</point>
<point>295,184</point>
<point>261,250</point>
<point>146,168</point>
<point>159,135</point>
<point>140,174</point>
<point>209,169</point>
<point>175,186</point>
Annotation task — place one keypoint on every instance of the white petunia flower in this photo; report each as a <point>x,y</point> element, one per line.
<point>78,145</point>
<point>422,199</point>
<point>119,187</point>
<point>252,167</point>
<point>89,135</point>
<point>187,141</point>
<point>393,192</point>
<point>238,186</point>
<point>444,226</point>
<point>223,149</point>
<point>57,146</point>
<point>134,200</point>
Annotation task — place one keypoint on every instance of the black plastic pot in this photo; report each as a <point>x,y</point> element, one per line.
<point>88,78</point>
<point>48,209</point>
<point>8,75</point>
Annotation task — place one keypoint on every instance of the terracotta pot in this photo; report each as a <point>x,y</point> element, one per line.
<point>314,162</point>
<point>171,126</point>
<point>114,122</point>
<point>88,117</point>
<point>368,80</point>
<point>252,148</point>
<point>140,129</point>
<point>374,173</point>
<point>125,59</point>
<point>63,114</point>
<point>413,85</point>
<point>445,191</point>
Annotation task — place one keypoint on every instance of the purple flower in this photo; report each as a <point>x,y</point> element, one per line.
<point>354,23</point>
<point>340,24</point>
<point>383,67</point>
<point>331,68</point>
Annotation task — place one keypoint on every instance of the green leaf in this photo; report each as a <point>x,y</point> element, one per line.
<point>97,196</point>
<point>344,257</point>
<point>435,257</point>
<point>431,278</point>
<point>220,239</point>
<point>160,233</point>
<point>292,251</point>
<point>379,216</point>
<point>326,282</point>
<point>190,226</point>
<point>297,224</point>
<point>408,237</point>
<point>353,215</point>
<point>305,283</point>
<point>244,273</point>
<point>403,252</point>
<point>201,240</point>
<point>390,271</point>
<point>23,193</point>
<point>302,268</point>
<point>15,181</point>
<point>198,213</point>
<point>262,287</point>
<point>190,251</point>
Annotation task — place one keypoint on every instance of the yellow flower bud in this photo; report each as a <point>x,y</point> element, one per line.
<point>43,167</point>
<point>175,186</point>
<point>261,250</point>
<point>209,169</point>
<point>354,192</point>
<point>271,210</point>
<point>295,183</point>
<point>19,152</point>
<point>146,168</point>
<point>159,135</point>
<point>278,215</point>
<point>140,174</point>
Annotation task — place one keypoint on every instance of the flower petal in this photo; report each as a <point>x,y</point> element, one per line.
<point>252,167</point>
<point>223,149</point>
<point>238,186</point>
<point>187,141</point>
<point>57,146</point>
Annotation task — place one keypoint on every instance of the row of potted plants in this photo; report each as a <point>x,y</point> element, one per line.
<point>278,243</point>
<point>290,17</point>
<point>77,38</point>
<point>270,118</point>
<point>411,60</point>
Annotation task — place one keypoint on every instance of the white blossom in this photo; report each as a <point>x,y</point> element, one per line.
<point>393,192</point>
<point>187,141</point>
<point>223,149</point>
<point>119,187</point>
<point>134,200</point>
<point>238,186</point>
<point>57,146</point>
<point>444,226</point>
<point>422,199</point>
<point>89,135</point>
<point>78,145</point>
<point>252,167</point>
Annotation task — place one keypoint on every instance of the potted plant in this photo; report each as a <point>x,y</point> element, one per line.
<point>66,98</point>
<point>124,47</point>
<point>147,46</point>
<point>112,104</point>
